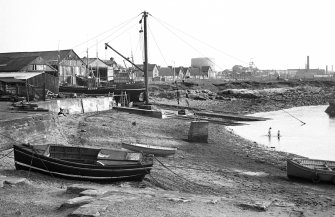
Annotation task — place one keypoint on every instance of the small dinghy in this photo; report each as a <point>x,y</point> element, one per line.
<point>82,163</point>
<point>149,149</point>
<point>315,170</point>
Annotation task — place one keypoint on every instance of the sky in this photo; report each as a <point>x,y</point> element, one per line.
<point>274,34</point>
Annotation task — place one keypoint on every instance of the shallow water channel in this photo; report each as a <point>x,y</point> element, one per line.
<point>315,139</point>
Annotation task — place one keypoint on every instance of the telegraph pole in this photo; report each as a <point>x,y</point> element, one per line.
<point>145,65</point>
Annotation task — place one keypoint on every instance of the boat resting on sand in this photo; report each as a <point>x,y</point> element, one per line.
<point>149,149</point>
<point>315,170</point>
<point>82,163</point>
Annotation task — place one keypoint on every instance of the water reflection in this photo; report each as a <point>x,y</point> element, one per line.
<point>314,139</point>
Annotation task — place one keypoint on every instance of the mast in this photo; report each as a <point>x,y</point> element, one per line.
<point>145,65</point>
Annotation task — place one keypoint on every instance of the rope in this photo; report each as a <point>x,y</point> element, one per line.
<point>303,123</point>
<point>195,184</point>
<point>148,172</point>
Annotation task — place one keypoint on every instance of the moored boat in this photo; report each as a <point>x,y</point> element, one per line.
<point>82,163</point>
<point>311,169</point>
<point>150,149</point>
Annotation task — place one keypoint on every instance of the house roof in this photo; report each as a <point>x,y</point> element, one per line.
<point>49,56</point>
<point>150,66</point>
<point>92,60</point>
<point>166,71</point>
<point>195,71</point>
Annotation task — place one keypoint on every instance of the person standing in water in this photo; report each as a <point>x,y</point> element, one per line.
<point>278,134</point>
<point>269,132</point>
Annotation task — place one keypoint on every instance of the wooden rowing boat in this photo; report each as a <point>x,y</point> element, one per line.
<point>150,149</point>
<point>315,170</point>
<point>82,163</point>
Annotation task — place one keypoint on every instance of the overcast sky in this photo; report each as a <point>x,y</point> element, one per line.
<point>275,34</point>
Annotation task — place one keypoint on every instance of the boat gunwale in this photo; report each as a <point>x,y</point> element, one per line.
<point>132,163</point>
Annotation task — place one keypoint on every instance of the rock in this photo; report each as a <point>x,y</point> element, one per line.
<point>256,205</point>
<point>15,181</point>
<point>213,201</point>
<point>93,193</point>
<point>183,200</point>
<point>89,210</point>
<point>77,188</point>
<point>118,198</point>
<point>283,204</point>
<point>77,201</point>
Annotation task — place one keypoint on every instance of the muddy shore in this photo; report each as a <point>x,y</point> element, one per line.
<point>228,176</point>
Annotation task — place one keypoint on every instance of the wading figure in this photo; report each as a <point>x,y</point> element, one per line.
<point>269,132</point>
<point>178,96</point>
<point>278,134</point>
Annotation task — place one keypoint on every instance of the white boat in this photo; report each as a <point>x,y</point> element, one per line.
<point>315,170</point>
<point>149,149</point>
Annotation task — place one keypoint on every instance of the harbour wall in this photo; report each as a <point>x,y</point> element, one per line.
<point>43,128</point>
<point>78,105</point>
<point>35,129</point>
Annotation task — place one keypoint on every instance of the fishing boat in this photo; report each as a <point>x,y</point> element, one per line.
<point>315,170</point>
<point>82,163</point>
<point>150,149</point>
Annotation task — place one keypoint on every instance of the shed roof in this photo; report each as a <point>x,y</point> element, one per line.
<point>17,77</point>
<point>15,64</point>
<point>51,57</point>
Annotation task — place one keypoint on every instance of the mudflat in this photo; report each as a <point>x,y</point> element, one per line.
<point>228,176</point>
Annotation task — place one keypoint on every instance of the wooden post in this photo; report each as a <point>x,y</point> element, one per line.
<point>27,90</point>
<point>145,15</point>
<point>44,87</point>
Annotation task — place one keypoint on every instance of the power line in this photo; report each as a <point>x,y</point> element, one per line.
<point>189,46</point>
<point>160,51</point>
<point>101,41</point>
<point>117,26</point>
<point>215,48</point>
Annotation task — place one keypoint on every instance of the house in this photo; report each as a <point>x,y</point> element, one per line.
<point>29,76</point>
<point>112,66</point>
<point>152,73</point>
<point>208,72</point>
<point>167,73</point>
<point>186,73</point>
<point>99,69</point>
<point>196,73</point>
<point>66,62</point>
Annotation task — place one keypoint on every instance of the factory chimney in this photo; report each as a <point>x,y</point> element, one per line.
<point>307,65</point>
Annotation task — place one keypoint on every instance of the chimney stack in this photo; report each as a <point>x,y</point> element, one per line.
<point>307,66</point>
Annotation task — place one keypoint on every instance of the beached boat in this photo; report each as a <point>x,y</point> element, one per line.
<point>149,149</point>
<point>315,170</point>
<point>82,163</point>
